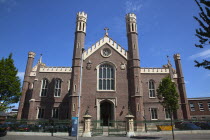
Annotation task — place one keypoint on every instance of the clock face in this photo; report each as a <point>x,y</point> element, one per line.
<point>106,52</point>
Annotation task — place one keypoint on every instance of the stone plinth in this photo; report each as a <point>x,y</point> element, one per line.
<point>87,123</point>
<point>130,125</point>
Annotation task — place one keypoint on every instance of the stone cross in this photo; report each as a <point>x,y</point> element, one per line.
<point>106,30</point>
<point>40,59</point>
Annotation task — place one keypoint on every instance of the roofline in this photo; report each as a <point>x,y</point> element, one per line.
<point>199,98</point>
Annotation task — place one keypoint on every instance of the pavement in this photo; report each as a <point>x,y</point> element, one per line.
<point>154,137</point>
<point>149,133</point>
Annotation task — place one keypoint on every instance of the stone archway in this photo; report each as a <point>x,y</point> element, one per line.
<point>106,112</point>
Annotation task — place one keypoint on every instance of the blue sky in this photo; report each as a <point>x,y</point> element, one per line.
<point>47,27</point>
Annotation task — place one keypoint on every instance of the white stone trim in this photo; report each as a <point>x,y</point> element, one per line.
<point>32,100</point>
<point>58,109</point>
<point>154,70</point>
<point>100,43</point>
<point>31,54</point>
<point>149,89</point>
<point>115,79</point>
<point>150,109</point>
<point>102,53</point>
<point>165,115</point>
<point>201,98</point>
<point>40,92</point>
<point>34,68</point>
<point>68,83</point>
<point>32,73</point>
<point>55,69</point>
<point>175,75</point>
<point>98,102</point>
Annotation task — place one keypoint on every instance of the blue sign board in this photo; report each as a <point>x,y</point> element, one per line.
<point>74,126</point>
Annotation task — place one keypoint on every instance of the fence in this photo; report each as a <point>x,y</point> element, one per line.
<point>39,126</point>
<point>165,125</point>
<point>114,128</point>
<point>117,128</point>
<point>97,128</point>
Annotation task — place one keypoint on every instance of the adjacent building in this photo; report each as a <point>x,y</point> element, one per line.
<point>199,108</point>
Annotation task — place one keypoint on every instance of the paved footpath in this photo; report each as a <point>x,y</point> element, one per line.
<point>159,137</point>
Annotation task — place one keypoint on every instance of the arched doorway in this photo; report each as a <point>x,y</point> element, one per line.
<point>106,112</point>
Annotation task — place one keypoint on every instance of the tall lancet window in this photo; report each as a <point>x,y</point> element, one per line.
<point>44,87</point>
<point>151,89</point>
<point>106,77</point>
<point>57,90</point>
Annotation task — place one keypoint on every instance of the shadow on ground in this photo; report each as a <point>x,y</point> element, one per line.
<point>145,137</point>
<point>62,138</point>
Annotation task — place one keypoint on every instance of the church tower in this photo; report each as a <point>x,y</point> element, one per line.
<point>181,87</point>
<point>79,41</point>
<point>26,84</point>
<point>134,74</point>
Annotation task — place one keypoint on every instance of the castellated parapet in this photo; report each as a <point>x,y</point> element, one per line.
<point>31,54</point>
<point>177,56</point>
<point>82,16</point>
<point>81,22</point>
<point>131,24</point>
<point>103,41</point>
<point>130,17</point>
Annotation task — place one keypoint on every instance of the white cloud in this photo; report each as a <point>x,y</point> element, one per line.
<point>133,6</point>
<point>21,76</point>
<point>204,54</point>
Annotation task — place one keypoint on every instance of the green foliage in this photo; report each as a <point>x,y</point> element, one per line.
<point>9,83</point>
<point>203,33</point>
<point>168,95</point>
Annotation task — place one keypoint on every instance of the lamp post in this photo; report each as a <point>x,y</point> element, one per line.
<point>79,93</point>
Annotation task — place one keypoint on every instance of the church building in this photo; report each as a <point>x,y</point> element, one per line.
<point>108,79</point>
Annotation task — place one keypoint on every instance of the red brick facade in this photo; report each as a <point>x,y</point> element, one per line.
<point>129,91</point>
<point>199,108</point>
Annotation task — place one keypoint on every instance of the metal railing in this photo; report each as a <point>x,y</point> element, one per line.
<point>165,125</point>
<point>39,125</point>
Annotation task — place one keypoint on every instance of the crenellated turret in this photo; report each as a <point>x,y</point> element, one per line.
<point>132,36</point>
<point>181,87</point>
<point>26,83</point>
<point>131,24</point>
<point>77,61</point>
<point>134,76</point>
<point>81,22</point>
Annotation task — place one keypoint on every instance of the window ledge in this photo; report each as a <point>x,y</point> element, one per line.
<point>107,91</point>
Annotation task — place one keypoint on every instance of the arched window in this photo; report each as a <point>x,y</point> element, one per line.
<point>44,87</point>
<point>106,77</point>
<point>57,89</point>
<point>151,89</point>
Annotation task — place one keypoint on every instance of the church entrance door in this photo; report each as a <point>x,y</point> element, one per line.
<point>106,112</point>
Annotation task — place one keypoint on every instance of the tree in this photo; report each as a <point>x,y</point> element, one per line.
<point>168,97</point>
<point>9,83</point>
<point>203,33</point>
